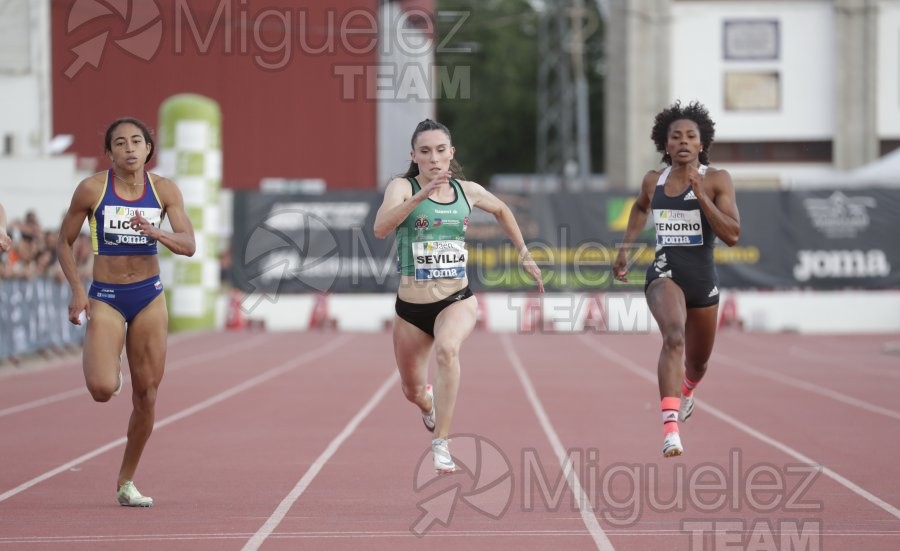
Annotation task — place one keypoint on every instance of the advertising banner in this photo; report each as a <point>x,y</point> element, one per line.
<point>34,316</point>
<point>822,239</point>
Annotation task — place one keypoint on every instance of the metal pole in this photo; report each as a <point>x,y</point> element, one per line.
<point>582,112</point>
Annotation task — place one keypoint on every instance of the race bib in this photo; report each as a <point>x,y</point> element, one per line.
<point>439,259</point>
<point>676,228</point>
<point>117,228</point>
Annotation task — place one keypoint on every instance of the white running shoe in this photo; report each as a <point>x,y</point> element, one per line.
<point>686,409</point>
<point>443,462</point>
<point>428,418</point>
<point>121,383</point>
<point>672,445</point>
<point>129,496</point>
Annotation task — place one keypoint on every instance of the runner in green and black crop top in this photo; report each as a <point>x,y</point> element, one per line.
<point>429,211</point>
<point>431,240</point>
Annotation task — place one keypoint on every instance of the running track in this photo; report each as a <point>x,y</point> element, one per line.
<point>304,441</point>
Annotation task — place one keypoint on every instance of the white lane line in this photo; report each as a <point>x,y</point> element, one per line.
<point>846,363</point>
<point>394,534</point>
<point>246,385</point>
<point>716,412</point>
<point>43,401</point>
<point>835,359</point>
<point>582,501</point>
<point>180,363</point>
<point>72,359</point>
<point>804,385</point>
<point>278,515</point>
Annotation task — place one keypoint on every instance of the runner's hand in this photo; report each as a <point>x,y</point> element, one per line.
<point>440,179</point>
<point>142,225</point>
<point>533,270</point>
<point>620,267</point>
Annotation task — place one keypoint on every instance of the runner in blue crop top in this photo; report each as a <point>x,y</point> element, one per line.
<point>692,204</point>
<point>125,306</point>
<point>110,219</point>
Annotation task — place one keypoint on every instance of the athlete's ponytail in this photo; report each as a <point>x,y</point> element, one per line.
<point>425,126</point>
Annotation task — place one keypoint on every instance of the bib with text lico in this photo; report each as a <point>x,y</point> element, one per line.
<point>439,259</point>
<point>117,228</point>
<point>678,228</point>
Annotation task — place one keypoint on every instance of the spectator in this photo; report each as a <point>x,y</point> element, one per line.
<point>21,259</point>
<point>5,240</point>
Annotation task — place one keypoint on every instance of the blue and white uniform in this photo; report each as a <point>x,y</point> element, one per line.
<point>112,235</point>
<point>684,245</point>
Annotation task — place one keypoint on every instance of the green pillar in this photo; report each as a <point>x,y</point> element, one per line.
<point>190,153</point>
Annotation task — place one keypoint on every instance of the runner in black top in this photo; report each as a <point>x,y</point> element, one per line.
<point>692,204</point>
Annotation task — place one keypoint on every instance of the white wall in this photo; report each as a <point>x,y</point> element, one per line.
<point>889,69</point>
<point>44,185</point>
<point>25,78</point>
<point>835,312</point>
<point>19,106</point>
<point>805,65</point>
<point>404,54</point>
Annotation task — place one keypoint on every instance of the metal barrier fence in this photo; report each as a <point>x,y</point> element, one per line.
<point>34,317</point>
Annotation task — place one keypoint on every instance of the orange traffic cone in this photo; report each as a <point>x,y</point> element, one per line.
<point>481,316</point>
<point>729,314</point>
<point>234,318</point>
<point>320,317</point>
<point>595,317</point>
<point>532,315</point>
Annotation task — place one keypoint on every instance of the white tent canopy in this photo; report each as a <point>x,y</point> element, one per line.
<point>882,172</point>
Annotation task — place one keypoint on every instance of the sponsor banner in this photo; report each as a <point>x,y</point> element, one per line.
<point>34,316</point>
<point>822,239</point>
<point>819,239</point>
<point>293,243</point>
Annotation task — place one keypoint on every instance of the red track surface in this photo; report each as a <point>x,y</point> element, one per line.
<point>304,441</point>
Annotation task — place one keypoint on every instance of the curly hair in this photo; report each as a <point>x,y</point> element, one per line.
<point>694,111</point>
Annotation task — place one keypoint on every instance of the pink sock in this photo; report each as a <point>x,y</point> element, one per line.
<point>670,406</point>
<point>688,386</point>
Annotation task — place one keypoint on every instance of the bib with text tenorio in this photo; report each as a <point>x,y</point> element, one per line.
<point>439,259</point>
<point>678,228</point>
<point>117,226</point>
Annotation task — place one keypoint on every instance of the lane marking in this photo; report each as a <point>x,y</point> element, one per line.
<point>290,365</point>
<point>844,364</point>
<point>582,501</point>
<point>406,534</point>
<point>809,387</point>
<point>175,365</point>
<point>624,362</point>
<point>282,509</point>
<point>834,358</point>
<point>53,398</point>
<point>72,359</point>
